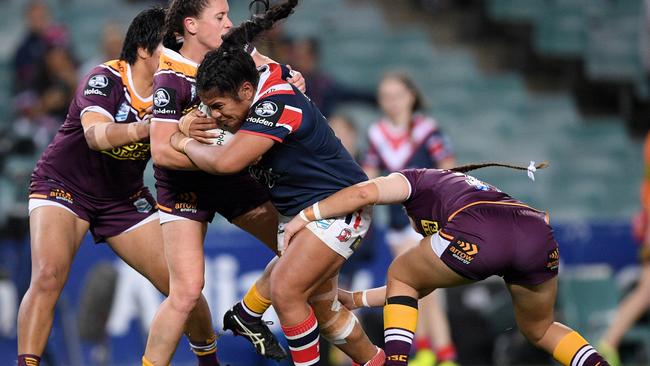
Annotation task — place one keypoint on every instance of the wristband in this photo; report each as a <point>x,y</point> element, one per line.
<point>364,298</point>
<point>316,211</point>
<point>303,216</point>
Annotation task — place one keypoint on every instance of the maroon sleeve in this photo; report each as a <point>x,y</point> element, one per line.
<point>170,96</point>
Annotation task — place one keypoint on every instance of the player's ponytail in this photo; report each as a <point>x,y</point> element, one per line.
<point>246,33</point>
<point>224,70</point>
<point>470,167</point>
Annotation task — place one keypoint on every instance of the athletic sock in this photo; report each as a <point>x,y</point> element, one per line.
<point>28,360</point>
<point>253,306</point>
<point>573,350</point>
<point>400,320</point>
<point>303,340</point>
<point>206,352</point>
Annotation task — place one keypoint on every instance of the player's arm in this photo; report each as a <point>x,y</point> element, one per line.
<point>162,153</point>
<point>382,190</point>
<point>102,133</point>
<point>295,78</point>
<point>371,298</point>
<point>240,152</point>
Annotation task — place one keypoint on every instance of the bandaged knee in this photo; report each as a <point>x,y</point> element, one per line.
<point>336,321</point>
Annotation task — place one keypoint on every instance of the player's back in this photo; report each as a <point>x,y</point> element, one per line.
<point>307,162</point>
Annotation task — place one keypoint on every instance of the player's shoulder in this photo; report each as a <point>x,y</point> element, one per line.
<point>173,64</point>
<point>102,79</point>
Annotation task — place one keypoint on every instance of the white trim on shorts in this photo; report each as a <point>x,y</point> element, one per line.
<point>439,244</point>
<point>35,203</point>
<point>167,217</point>
<point>148,219</point>
<point>330,230</point>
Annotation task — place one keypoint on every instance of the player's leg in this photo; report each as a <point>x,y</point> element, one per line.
<point>303,267</point>
<point>56,234</point>
<point>142,249</point>
<point>433,343</point>
<point>628,312</point>
<point>245,317</point>
<point>412,275</point>
<point>533,306</point>
<point>341,328</point>
<point>183,242</point>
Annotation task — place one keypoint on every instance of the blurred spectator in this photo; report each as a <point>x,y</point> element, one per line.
<point>41,34</point>
<point>636,303</point>
<point>346,131</point>
<point>321,87</point>
<point>41,109</point>
<point>111,46</point>
<point>406,138</point>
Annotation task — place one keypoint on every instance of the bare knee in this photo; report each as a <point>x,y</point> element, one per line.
<point>535,332</point>
<point>283,293</point>
<point>48,278</point>
<point>184,296</point>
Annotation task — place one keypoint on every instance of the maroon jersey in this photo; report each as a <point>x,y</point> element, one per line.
<point>175,95</point>
<point>116,173</point>
<point>437,195</point>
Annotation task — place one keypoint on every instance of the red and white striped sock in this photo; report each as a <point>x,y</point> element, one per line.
<point>303,340</point>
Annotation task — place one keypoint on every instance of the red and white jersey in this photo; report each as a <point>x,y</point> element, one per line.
<point>391,148</point>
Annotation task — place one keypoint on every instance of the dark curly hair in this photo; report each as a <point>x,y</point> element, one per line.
<point>225,69</point>
<point>145,32</point>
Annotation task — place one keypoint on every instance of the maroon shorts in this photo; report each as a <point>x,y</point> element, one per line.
<point>107,217</point>
<point>230,196</point>
<point>513,242</point>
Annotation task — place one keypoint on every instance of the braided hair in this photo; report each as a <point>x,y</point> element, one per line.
<point>470,167</point>
<point>225,69</point>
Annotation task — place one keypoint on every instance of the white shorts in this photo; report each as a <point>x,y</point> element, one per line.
<point>342,234</point>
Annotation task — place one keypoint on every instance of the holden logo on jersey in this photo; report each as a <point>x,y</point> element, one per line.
<point>266,109</point>
<point>98,81</point>
<point>161,97</point>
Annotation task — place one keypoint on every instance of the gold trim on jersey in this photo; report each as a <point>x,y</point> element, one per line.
<point>492,203</point>
<point>175,62</point>
<point>139,104</point>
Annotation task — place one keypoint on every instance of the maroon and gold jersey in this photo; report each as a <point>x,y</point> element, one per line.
<point>438,195</point>
<point>175,95</point>
<point>117,173</point>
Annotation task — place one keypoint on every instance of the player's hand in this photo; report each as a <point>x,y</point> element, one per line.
<point>297,79</point>
<point>292,228</point>
<point>347,299</point>
<point>196,125</point>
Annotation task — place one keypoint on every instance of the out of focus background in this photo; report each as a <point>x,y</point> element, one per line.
<point>505,80</point>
